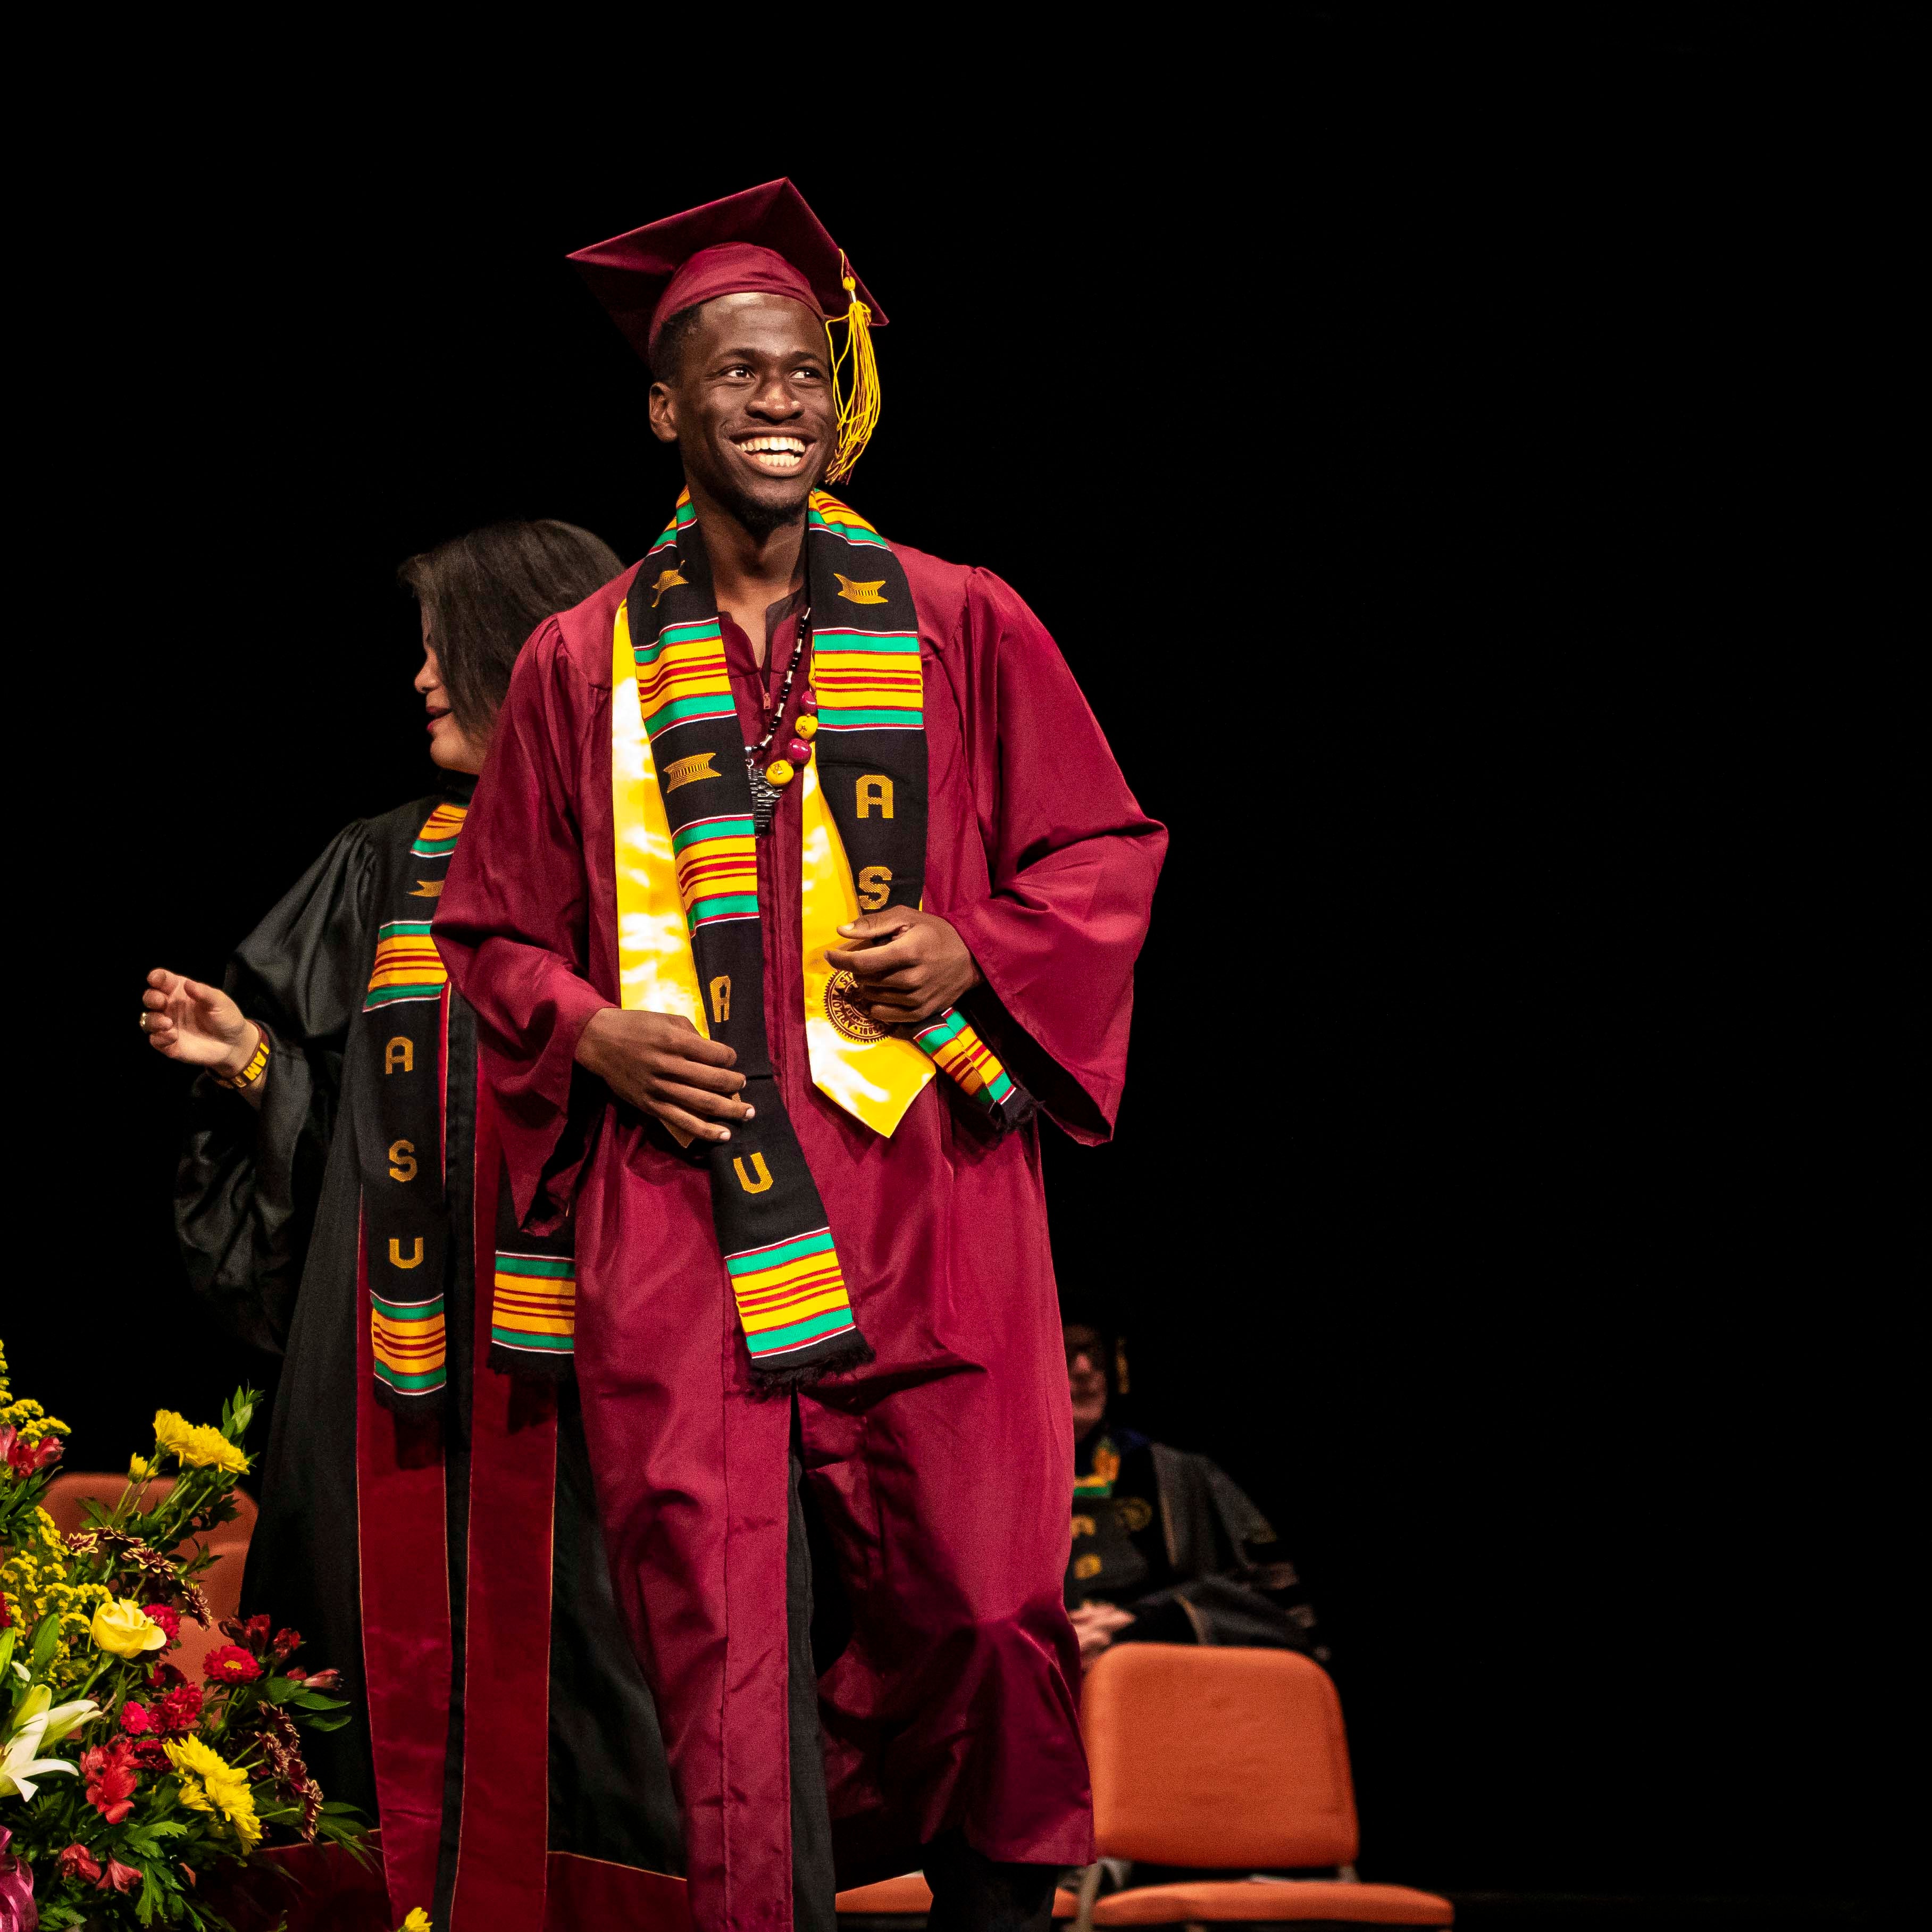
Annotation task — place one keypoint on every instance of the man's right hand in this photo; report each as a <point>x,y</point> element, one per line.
<point>663,1065</point>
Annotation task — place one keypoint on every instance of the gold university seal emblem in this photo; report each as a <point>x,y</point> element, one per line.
<point>843,1010</point>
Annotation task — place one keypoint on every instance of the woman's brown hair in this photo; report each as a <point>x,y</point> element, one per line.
<point>487,591</point>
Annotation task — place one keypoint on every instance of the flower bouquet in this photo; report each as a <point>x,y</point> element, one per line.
<point>123,1784</point>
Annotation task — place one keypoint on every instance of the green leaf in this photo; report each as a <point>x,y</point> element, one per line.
<point>8,1638</point>
<point>46,1636</point>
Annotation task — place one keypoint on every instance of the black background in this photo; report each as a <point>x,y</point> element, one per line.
<point>1414,438</point>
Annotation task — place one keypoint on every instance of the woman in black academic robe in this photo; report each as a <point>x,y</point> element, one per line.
<point>427,1524</point>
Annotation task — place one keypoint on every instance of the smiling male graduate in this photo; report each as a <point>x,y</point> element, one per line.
<point>800,874</point>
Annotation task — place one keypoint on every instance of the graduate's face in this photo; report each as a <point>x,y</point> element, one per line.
<point>1086,1378</point>
<point>751,411</point>
<point>449,744</point>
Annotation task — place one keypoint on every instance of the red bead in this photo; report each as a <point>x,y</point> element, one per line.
<point>809,702</point>
<point>798,751</point>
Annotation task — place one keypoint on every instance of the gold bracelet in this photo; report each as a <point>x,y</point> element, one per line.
<point>258,1065</point>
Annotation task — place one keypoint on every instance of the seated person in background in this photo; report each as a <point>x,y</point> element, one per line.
<point>1165,1548</point>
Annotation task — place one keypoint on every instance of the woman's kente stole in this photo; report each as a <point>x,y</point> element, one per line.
<point>402,1145</point>
<point>689,938</point>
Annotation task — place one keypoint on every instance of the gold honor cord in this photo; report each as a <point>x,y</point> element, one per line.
<point>874,1081</point>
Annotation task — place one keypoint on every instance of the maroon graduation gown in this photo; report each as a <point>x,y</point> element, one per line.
<point>941,1469</point>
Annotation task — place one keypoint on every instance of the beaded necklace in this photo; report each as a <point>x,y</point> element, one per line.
<point>768,781</point>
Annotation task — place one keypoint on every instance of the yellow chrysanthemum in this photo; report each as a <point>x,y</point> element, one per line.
<point>418,1921</point>
<point>208,1783</point>
<point>139,1469</point>
<point>207,1448</point>
<point>172,1430</point>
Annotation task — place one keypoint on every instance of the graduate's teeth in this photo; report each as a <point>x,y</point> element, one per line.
<point>774,452</point>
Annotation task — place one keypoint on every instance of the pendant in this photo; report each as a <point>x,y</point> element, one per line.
<point>764,796</point>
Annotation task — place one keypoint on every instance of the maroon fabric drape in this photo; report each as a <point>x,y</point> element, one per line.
<point>503,1845</point>
<point>403,1545</point>
<point>941,1469</point>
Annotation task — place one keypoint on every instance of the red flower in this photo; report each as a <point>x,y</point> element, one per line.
<point>135,1717</point>
<point>119,1877</point>
<point>109,1769</point>
<point>165,1618</point>
<point>6,1621</point>
<point>286,1643</point>
<point>77,1861</point>
<point>229,1663</point>
<point>254,1632</point>
<point>179,1709</point>
<point>323,1680</point>
<point>27,1459</point>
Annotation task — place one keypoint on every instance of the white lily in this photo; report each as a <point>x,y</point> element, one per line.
<point>38,1701</point>
<point>20,1767</point>
<point>65,1717</point>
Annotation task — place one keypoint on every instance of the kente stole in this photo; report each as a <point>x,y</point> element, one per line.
<point>403,1138</point>
<point>690,940</point>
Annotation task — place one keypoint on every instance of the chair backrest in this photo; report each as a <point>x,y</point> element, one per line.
<point>73,1487</point>
<point>1214,1757</point>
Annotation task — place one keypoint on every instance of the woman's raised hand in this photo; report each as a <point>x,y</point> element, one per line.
<point>198,1024</point>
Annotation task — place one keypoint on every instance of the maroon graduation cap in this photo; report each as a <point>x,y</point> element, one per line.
<point>765,240</point>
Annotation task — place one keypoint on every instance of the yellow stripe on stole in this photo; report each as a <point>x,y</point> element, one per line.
<point>694,669</point>
<point>874,1081</point>
<point>797,1311</point>
<point>420,1335</point>
<point>525,1323</point>
<point>412,964</point>
<point>851,678</point>
<point>748,1287</point>
<point>837,514</point>
<point>739,875</point>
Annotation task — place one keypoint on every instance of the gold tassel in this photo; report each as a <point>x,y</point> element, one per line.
<point>859,405</point>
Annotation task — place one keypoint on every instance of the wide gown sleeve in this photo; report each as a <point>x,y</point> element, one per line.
<point>1072,859</point>
<point>246,1190</point>
<point>513,928</point>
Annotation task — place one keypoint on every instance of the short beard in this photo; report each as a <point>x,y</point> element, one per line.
<point>760,520</point>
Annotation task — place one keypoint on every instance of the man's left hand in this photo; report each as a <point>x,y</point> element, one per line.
<point>909,965</point>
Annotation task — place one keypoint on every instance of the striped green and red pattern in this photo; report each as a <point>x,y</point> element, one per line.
<point>957,1051</point>
<point>409,1344</point>
<point>534,1307</point>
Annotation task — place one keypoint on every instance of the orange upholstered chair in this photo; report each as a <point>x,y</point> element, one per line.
<point>228,1544</point>
<point>1220,1759</point>
<point>908,1897</point>
<point>911,1898</point>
